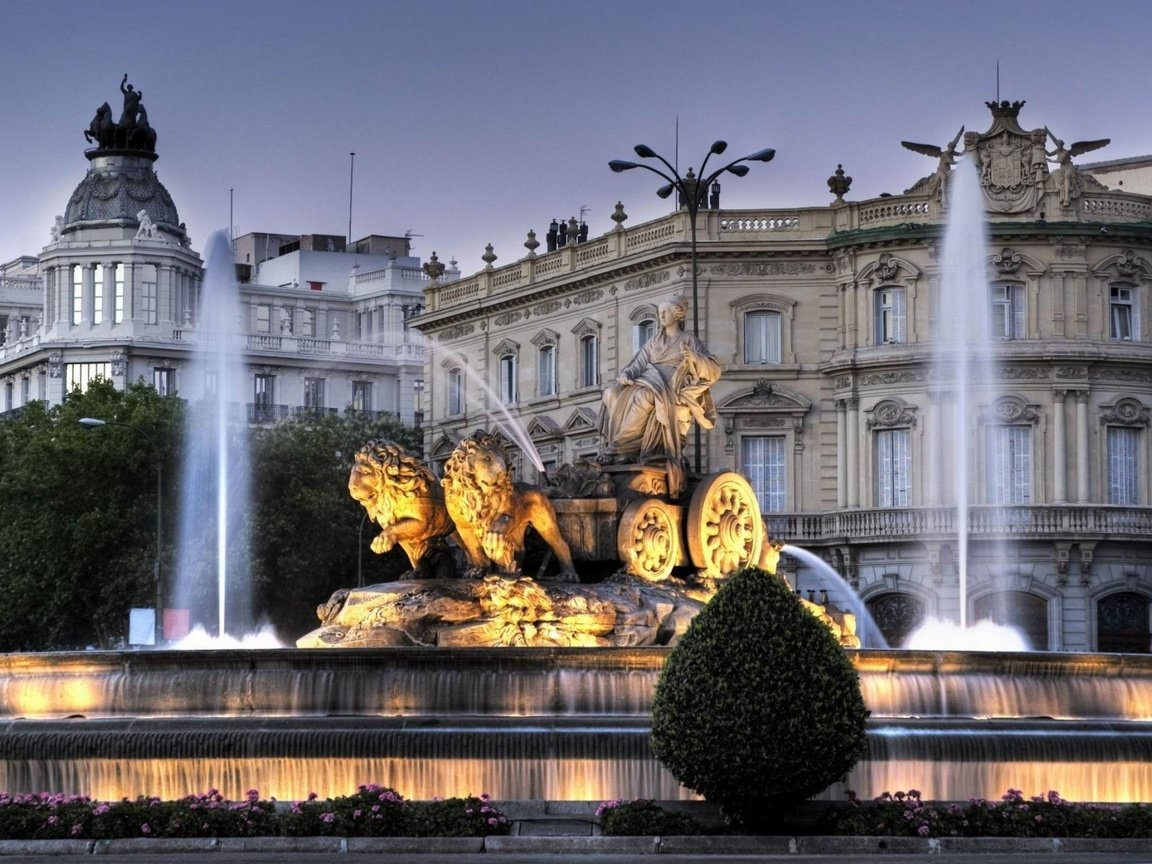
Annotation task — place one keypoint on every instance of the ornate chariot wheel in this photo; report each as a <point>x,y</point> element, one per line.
<point>648,538</point>
<point>724,528</point>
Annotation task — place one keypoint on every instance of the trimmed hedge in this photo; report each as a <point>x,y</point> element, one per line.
<point>758,707</point>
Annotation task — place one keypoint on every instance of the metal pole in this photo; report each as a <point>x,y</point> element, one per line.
<point>351,172</point>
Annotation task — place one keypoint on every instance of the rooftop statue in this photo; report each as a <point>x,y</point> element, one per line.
<point>132,132</point>
<point>645,416</point>
<point>947,158</point>
<point>1067,175</point>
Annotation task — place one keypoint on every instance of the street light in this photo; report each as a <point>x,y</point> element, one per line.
<point>692,191</point>
<point>94,423</point>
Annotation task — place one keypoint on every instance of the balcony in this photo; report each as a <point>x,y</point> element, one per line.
<point>1040,522</point>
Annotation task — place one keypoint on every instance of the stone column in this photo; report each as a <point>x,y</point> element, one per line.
<point>1059,444</point>
<point>109,294</point>
<point>1082,446</point>
<point>841,454</point>
<point>853,451</point>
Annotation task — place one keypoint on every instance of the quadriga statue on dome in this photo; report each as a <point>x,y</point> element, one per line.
<point>492,513</point>
<point>102,130</point>
<point>645,416</point>
<point>403,497</point>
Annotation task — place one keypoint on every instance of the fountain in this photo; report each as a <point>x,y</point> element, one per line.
<point>212,552</point>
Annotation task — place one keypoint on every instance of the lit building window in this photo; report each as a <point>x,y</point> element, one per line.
<point>762,337</point>
<point>893,468</point>
<point>81,375</point>
<point>77,293</point>
<point>118,296</point>
<point>98,294</point>
<point>890,315</point>
<point>762,462</point>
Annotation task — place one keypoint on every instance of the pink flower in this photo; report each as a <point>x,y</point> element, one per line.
<point>327,818</point>
<point>923,830</point>
<point>145,829</point>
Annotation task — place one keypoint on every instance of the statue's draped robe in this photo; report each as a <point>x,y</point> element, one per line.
<point>650,417</point>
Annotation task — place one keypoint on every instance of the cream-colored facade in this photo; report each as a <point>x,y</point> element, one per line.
<point>824,320</point>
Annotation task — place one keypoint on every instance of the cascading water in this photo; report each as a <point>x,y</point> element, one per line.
<point>212,579</point>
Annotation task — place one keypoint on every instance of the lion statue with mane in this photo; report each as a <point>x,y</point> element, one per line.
<point>403,497</point>
<point>492,513</point>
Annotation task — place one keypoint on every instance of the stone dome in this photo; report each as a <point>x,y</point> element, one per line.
<point>116,188</point>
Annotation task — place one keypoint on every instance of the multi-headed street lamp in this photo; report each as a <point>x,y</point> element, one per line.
<point>692,189</point>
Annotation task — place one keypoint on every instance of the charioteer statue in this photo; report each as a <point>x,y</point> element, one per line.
<point>132,132</point>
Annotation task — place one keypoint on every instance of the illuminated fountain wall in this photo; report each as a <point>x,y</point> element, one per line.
<point>559,724</point>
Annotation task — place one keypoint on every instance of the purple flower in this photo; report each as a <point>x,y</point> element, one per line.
<point>327,818</point>
<point>145,828</point>
<point>923,830</point>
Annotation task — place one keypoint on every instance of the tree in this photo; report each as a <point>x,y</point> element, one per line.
<point>309,535</point>
<point>758,706</point>
<point>78,516</point>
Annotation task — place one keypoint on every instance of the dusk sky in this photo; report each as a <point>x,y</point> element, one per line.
<point>475,121</point>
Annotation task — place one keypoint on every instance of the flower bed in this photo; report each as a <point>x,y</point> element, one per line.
<point>373,811</point>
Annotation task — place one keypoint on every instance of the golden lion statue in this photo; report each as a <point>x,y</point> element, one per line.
<point>403,497</point>
<point>492,513</point>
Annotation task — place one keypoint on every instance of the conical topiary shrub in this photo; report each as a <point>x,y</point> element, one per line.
<point>758,707</point>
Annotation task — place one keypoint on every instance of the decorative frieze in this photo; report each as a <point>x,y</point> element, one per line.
<point>455,332</point>
<point>647,280</point>
<point>763,268</point>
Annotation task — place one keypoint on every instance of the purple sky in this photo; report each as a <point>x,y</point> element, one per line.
<point>475,121</point>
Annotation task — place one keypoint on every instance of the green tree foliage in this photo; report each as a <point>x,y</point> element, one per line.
<point>78,516</point>
<point>309,535</point>
<point>758,707</point>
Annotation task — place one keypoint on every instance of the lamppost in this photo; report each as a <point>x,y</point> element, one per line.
<point>692,191</point>
<point>94,423</point>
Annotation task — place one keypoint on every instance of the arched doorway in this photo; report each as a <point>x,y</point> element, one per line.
<point>897,615</point>
<point>1026,612</point>
<point>1122,623</point>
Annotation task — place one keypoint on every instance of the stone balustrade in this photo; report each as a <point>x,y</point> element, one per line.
<point>984,522</point>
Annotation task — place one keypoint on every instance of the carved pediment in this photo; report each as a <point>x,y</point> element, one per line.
<point>442,447</point>
<point>766,396</point>
<point>888,269</point>
<point>580,420</point>
<point>889,413</point>
<point>542,427</point>
<point>1125,412</point>
<point>1127,265</point>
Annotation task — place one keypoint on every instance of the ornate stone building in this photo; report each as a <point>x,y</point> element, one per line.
<point>824,320</point>
<point>116,294</point>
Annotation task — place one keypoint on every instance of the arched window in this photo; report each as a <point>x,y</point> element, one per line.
<point>897,615</point>
<point>1122,624</point>
<point>1026,612</point>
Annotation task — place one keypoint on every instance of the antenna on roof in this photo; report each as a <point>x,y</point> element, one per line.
<point>997,80</point>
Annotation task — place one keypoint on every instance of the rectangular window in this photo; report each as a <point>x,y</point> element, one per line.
<point>164,380</point>
<point>316,286</point>
<point>308,324</point>
<point>1123,464</point>
<point>118,296</point>
<point>98,294</point>
<point>645,330</point>
<point>263,319</point>
<point>210,383</point>
<point>589,361</point>
<point>893,468</point>
<point>1123,313</point>
<point>762,462</point>
<point>313,393</point>
<point>546,370</point>
<point>263,396</point>
<point>77,293</point>
<point>80,375</point>
<point>455,406</point>
<point>361,395</point>
<point>508,379</point>
<point>762,337</point>
<point>4,329</point>
<point>1007,300</point>
<point>1008,473</point>
<point>890,316</point>
<point>149,294</point>
<point>25,390</point>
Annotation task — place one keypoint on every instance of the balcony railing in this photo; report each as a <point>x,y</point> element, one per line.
<point>984,522</point>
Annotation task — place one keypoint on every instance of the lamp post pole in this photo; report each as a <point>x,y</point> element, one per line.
<point>692,190</point>
<point>94,423</point>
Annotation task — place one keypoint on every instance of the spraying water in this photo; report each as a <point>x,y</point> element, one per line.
<point>866,627</point>
<point>212,555</point>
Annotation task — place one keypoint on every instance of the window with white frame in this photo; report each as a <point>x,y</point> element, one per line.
<point>1008,468</point>
<point>164,380</point>
<point>762,462</point>
<point>890,315</point>
<point>1122,313</point>
<point>644,330</point>
<point>455,404</point>
<point>893,467</point>
<point>1123,465</point>
<point>761,337</point>
<point>546,370</point>
<point>81,375</point>
<point>313,393</point>
<point>98,294</point>
<point>263,318</point>
<point>589,360</point>
<point>77,294</point>
<point>148,296</point>
<point>508,379</point>
<point>1007,309</point>
<point>118,299</point>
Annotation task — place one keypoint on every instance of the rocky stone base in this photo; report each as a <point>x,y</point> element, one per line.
<point>497,611</point>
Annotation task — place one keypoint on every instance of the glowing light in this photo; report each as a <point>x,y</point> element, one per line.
<point>936,635</point>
